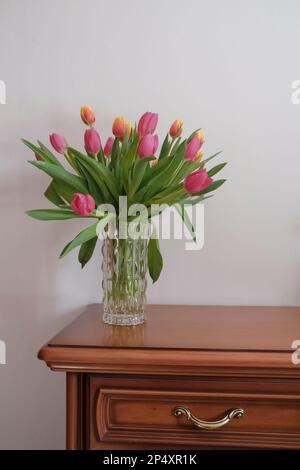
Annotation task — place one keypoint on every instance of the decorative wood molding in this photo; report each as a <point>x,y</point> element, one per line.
<point>181,432</point>
<point>103,360</point>
<point>123,385</point>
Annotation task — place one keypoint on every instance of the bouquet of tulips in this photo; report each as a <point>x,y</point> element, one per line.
<point>128,165</point>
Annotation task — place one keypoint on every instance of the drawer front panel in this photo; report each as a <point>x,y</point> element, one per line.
<point>143,411</point>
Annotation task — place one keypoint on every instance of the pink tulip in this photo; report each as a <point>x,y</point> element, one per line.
<point>58,142</point>
<point>92,141</point>
<point>108,146</point>
<point>197,181</point>
<point>176,128</point>
<point>83,204</point>
<point>192,148</point>
<point>200,136</point>
<point>147,146</point>
<point>147,124</point>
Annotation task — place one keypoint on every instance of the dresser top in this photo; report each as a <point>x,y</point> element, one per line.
<point>217,328</point>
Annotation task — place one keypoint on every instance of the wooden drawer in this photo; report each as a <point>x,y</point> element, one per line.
<point>140,411</point>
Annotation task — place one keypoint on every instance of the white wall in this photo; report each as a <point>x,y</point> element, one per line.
<point>224,66</point>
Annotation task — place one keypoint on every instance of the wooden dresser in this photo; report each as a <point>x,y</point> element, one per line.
<point>190,378</point>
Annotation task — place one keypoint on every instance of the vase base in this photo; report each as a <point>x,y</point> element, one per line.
<point>124,319</point>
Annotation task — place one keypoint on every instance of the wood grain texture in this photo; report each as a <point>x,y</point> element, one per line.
<point>216,328</point>
<point>74,411</point>
<point>124,383</point>
<point>240,340</point>
<point>142,410</point>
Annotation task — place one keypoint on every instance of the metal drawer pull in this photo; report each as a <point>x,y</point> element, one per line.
<point>182,410</point>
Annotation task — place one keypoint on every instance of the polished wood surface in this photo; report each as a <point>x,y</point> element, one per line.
<point>74,411</point>
<point>127,410</point>
<point>123,383</point>
<point>189,327</point>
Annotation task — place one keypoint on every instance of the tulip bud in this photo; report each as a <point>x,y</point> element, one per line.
<point>200,136</point>
<point>92,141</point>
<point>176,128</point>
<point>59,143</point>
<point>108,146</point>
<point>147,123</point>
<point>197,181</point>
<point>82,204</point>
<point>198,156</point>
<point>87,115</point>
<point>38,158</point>
<point>147,146</point>
<point>120,127</point>
<point>192,148</point>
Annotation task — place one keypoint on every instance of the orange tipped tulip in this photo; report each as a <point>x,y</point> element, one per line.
<point>199,156</point>
<point>200,136</point>
<point>120,127</point>
<point>128,128</point>
<point>87,115</point>
<point>176,128</point>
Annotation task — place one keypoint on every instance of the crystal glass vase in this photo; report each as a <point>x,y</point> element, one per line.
<point>124,282</point>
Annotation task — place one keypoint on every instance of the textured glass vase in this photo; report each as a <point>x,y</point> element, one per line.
<point>124,282</point>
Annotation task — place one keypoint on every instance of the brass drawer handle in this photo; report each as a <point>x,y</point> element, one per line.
<point>182,410</point>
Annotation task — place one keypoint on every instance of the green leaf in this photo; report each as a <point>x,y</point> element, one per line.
<point>115,153</point>
<point>167,191</point>
<point>72,162</point>
<point>189,167</point>
<point>138,173</point>
<point>176,145</point>
<point>156,170</point>
<point>155,261</point>
<point>165,148</point>
<point>184,169</point>
<point>194,199</point>
<point>41,153</point>
<point>63,175</point>
<point>101,174</point>
<point>94,189</point>
<point>128,160</point>
<point>52,195</point>
<point>124,147</point>
<point>83,236</point>
<point>86,251</point>
<point>101,157</point>
<point>216,169</point>
<point>215,185</point>
<point>63,190</point>
<point>87,234</point>
<point>172,198</point>
<point>202,164</point>
<point>186,219</point>
<point>158,183</point>
<point>51,156</point>
<point>52,214</point>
